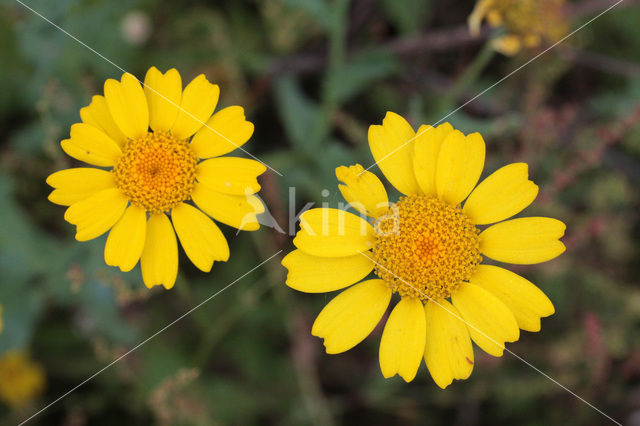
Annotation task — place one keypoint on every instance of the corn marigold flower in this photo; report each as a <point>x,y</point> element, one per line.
<point>21,380</point>
<point>163,147</point>
<point>428,248</point>
<point>527,22</point>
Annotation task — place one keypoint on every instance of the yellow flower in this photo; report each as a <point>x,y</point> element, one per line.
<point>21,380</point>
<point>526,22</point>
<point>428,248</point>
<point>152,141</point>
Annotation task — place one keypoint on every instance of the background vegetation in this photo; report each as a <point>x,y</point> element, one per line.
<point>312,76</point>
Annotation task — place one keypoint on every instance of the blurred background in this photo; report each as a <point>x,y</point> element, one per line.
<point>312,76</point>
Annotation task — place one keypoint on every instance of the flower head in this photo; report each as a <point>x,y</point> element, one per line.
<point>158,153</point>
<point>21,380</point>
<point>527,22</point>
<point>428,247</point>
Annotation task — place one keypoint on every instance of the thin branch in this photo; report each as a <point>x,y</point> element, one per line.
<point>589,7</point>
<point>437,40</point>
<point>432,41</point>
<point>600,62</point>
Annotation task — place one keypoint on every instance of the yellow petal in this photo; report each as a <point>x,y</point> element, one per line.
<point>392,147</point>
<point>506,192</point>
<point>231,175</point>
<point>95,215</point>
<point>201,239</point>
<point>523,241</point>
<point>460,164</point>
<point>91,145</point>
<point>127,105</point>
<point>126,239</point>
<point>474,21</point>
<point>403,340</point>
<point>363,190</point>
<point>23,380</point>
<point>73,185</point>
<point>425,157</point>
<point>526,301</point>
<point>313,274</point>
<point>199,100</point>
<point>239,211</point>
<point>352,315</point>
<point>159,262</point>
<point>508,44</point>
<point>333,233</point>
<point>163,93</point>
<point>225,131</point>
<point>494,17</point>
<point>448,353</point>
<point>489,321</point>
<point>97,114</point>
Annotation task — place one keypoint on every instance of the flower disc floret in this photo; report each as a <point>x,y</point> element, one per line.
<point>156,171</point>
<point>425,248</point>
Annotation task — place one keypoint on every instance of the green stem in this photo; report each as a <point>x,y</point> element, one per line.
<point>183,288</point>
<point>336,60</point>
<point>468,77</point>
<point>338,33</point>
<point>306,373</point>
<point>220,327</point>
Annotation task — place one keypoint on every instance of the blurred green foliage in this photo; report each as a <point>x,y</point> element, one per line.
<point>313,75</point>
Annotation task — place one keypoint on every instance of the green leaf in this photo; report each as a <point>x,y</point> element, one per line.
<point>21,307</point>
<point>407,15</point>
<point>317,9</point>
<point>360,73</point>
<point>303,121</point>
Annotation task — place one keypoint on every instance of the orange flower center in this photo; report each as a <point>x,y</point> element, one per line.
<point>425,248</point>
<point>156,171</point>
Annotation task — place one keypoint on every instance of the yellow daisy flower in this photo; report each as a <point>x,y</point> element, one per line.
<point>428,248</point>
<point>527,22</point>
<point>21,380</point>
<point>162,146</point>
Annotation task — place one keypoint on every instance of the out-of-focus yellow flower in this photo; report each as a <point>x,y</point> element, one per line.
<point>527,22</point>
<point>21,380</point>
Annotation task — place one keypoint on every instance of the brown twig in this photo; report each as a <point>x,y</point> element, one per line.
<point>599,62</point>
<point>586,159</point>
<point>433,41</point>
<point>588,7</point>
<point>436,40</point>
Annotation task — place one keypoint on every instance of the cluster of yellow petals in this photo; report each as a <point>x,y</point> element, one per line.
<point>21,380</point>
<point>432,245</point>
<point>156,171</point>
<point>527,22</point>
<point>169,174</point>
